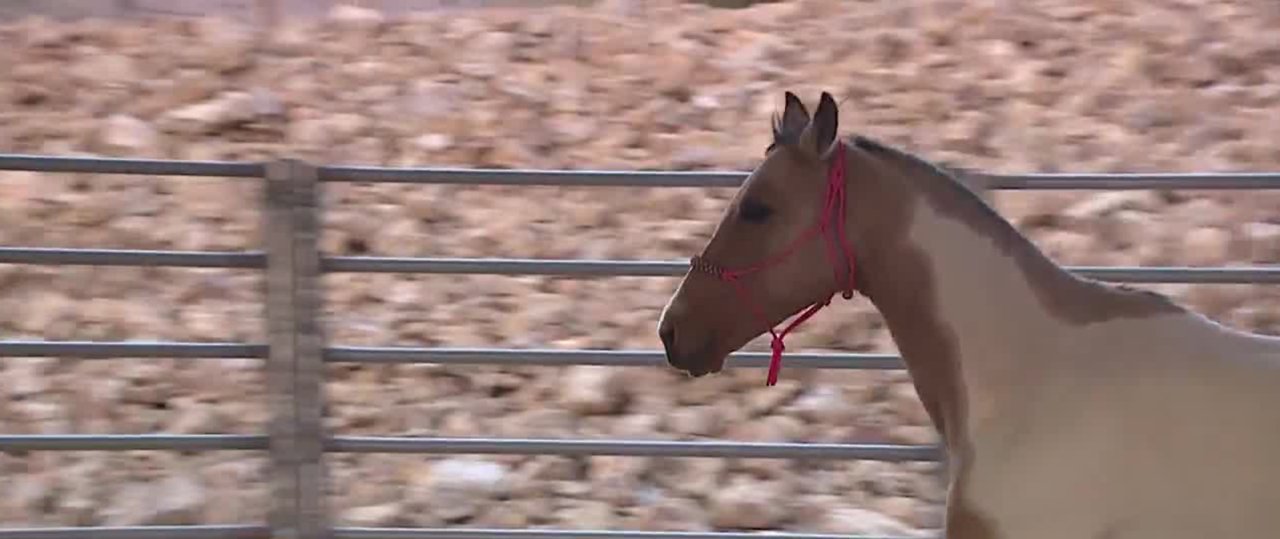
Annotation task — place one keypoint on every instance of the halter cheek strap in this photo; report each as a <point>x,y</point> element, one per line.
<point>831,220</point>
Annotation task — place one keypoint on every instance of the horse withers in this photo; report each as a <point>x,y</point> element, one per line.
<point>1068,407</point>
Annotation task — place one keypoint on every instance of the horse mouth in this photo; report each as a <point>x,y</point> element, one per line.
<point>699,372</point>
<point>703,362</point>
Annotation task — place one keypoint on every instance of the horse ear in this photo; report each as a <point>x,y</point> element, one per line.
<point>795,117</point>
<point>826,123</point>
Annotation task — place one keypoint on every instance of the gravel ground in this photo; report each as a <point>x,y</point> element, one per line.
<point>1040,86</point>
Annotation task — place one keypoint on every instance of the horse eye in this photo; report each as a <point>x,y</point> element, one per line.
<point>753,211</point>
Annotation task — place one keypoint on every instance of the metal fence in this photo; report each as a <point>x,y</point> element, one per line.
<point>263,14</point>
<point>296,350</point>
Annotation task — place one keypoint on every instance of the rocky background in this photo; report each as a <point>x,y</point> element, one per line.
<point>1033,86</point>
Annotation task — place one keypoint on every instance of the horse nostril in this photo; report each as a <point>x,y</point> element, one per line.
<point>668,336</point>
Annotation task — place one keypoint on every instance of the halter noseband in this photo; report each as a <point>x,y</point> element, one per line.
<point>832,220</point>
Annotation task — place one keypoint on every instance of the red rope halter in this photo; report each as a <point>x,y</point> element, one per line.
<point>832,220</point>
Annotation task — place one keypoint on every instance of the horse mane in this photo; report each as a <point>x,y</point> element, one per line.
<point>955,198</point>
<point>947,178</point>
<point>960,201</point>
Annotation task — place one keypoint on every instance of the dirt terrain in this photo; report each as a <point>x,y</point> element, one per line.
<point>1032,86</point>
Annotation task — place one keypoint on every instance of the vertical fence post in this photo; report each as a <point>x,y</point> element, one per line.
<point>295,363</point>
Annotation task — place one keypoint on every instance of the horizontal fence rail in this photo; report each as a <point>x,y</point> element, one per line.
<point>729,179</point>
<point>131,442</point>
<point>115,350</point>
<point>475,446</point>
<point>1182,275</point>
<point>1131,182</point>
<point>551,267</point>
<point>123,257</point>
<point>632,448</point>
<point>676,268</point>
<point>295,353</point>
<point>544,357</point>
<point>491,533</point>
<point>546,267</point>
<point>262,532</point>
<point>544,178</point>
<point>613,178</point>
<point>506,266</point>
<point>112,165</point>
<point>139,532</point>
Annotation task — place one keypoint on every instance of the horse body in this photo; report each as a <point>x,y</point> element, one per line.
<point>1174,450</point>
<point>1162,424</point>
<point>1069,408</point>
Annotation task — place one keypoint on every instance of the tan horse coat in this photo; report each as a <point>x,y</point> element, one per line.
<point>1069,408</point>
<point>1087,411</point>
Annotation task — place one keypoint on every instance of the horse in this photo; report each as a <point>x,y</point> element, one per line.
<point>1067,407</point>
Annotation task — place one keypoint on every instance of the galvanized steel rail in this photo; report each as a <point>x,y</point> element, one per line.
<point>132,442</point>
<point>545,357</point>
<point>612,178</point>
<point>295,350</point>
<point>675,268</point>
<point>113,165</point>
<point>489,533</point>
<point>140,532</point>
<point>632,448</point>
<point>115,350</point>
<point>130,257</point>
<point>547,267</point>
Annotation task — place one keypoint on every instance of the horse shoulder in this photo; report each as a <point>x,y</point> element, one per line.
<point>1138,433</point>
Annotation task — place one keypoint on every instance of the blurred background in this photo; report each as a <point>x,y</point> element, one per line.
<point>998,85</point>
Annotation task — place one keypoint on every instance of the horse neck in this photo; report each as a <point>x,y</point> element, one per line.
<point>967,299</point>
<point>980,314</point>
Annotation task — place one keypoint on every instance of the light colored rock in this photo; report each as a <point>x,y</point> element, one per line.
<point>764,399</point>
<point>675,86</point>
<point>672,514</point>
<point>1103,204</point>
<point>885,479</point>
<point>458,487</point>
<point>822,403</point>
<point>914,435</point>
<point>856,521</point>
<point>1206,246</point>
<point>382,515</point>
<point>35,494</point>
<point>227,46</point>
<point>900,508</point>
<point>196,418</point>
<point>748,504</point>
<point>587,515</point>
<point>266,103</point>
<point>697,420</point>
<point>24,380</point>
<point>174,500</point>
<point>210,116</point>
<point>433,142</point>
<point>1061,243</point>
<point>1265,241</point>
<point>689,477</point>
<point>591,389</point>
<point>1262,232</point>
<point>356,16</point>
<point>106,68</point>
<point>19,191</point>
<point>125,133</point>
